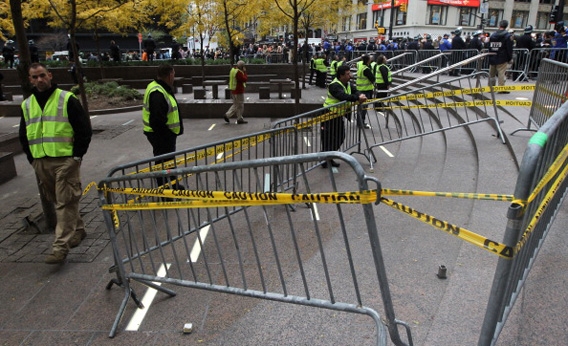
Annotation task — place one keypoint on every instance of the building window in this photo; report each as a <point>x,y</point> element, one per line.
<point>467,16</point>
<point>542,20</point>
<point>519,19</point>
<point>379,17</point>
<point>361,21</point>
<point>494,17</point>
<point>400,17</point>
<point>546,1</point>
<point>346,24</point>
<point>437,15</point>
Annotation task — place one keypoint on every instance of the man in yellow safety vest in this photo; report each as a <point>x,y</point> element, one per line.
<point>160,116</point>
<point>333,130</point>
<point>55,133</point>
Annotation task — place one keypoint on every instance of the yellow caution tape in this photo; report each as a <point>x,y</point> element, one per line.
<point>461,92</point>
<point>466,195</point>
<point>209,199</point>
<point>462,233</point>
<point>478,103</point>
<point>552,171</point>
<point>542,207</point>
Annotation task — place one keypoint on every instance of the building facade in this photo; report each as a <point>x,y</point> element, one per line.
<point>439,17</point>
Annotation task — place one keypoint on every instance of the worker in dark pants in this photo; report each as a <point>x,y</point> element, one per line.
<point>333,130</point>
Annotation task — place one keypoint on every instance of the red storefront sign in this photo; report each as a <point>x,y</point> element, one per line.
<point>457,3</point>
<point>387,4</point>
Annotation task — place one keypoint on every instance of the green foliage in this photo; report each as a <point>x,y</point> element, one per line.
<point>109,90</point>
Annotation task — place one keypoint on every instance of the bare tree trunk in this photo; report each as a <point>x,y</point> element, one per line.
<point>23,73</point>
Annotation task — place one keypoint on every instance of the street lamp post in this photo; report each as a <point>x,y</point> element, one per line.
<point>391,20</point>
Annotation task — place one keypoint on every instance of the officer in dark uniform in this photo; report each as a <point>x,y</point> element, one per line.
<point>524,41</point>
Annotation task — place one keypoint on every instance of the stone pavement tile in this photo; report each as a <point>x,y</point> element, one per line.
<point>133,339</point>
<point>56,337</point>
<point>14,337</point>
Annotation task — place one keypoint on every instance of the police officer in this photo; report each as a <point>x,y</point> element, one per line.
<point>524,41</point>
<point>500,43</point>
<point>457,44</point>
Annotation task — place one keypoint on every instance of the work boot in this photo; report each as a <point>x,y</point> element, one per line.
<point>77,238</point>
<point>56,257</point>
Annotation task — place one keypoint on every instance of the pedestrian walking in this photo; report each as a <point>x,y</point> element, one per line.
<point>237,84</point>
<point>500,43</point>
<point>55,133</point>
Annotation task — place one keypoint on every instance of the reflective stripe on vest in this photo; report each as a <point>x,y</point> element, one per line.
<point>363,83</point>
<point>48,131</point>
<point>173,122</point>
<point>330,100</point>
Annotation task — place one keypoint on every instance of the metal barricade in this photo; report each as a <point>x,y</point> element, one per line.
<point>423,110</point>
<point>226,233</point>
<point>540,190</point>
<point>551,91</point>
<point>519,68</point>
<point>326,129</point>
<point>457,55</point>
<point>537,55</point>
<point>245,147</point>
<point>429,65</point>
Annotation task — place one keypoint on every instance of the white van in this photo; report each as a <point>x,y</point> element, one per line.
<point>62,55</point>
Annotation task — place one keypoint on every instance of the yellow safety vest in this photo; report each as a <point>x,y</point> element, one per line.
<point>330,100</point>
<point>233,79</point>
<point>49,131</point>
<point>173,122</point>
<point>379,75</point>
<point>320,65</point>
<point>334,66</point>
<point>363,83</point>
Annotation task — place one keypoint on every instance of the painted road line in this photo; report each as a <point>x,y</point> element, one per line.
<point>128,122</point>
<point>17,125</point>
<point>211,127</point>
<point>196,249</point>
<point>389,154</point>
<point>220,155</point>
<point>147,300</point>
<point>93,116</point>
<point>315,212</point>
<point>267,182</point>
<point>307,140</point>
